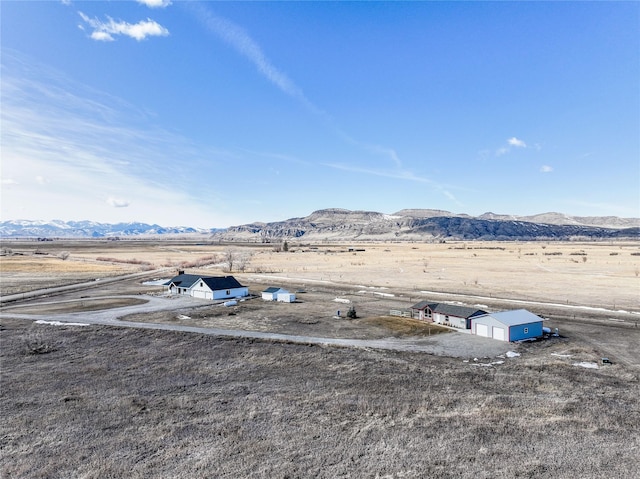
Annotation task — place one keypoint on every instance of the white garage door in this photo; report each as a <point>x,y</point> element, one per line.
<point>200,294</point>
<point>482,330</point>
<point>498,333</point>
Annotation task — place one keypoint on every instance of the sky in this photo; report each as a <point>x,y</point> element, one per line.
<point>213,114</point>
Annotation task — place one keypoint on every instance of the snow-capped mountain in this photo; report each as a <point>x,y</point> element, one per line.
<point>89,229</point>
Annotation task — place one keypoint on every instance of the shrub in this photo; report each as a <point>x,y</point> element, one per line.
<point>36,342</point>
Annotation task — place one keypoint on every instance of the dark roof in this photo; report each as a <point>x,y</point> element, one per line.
<point>221,282</point>
<point>449,309</point>
<point>457,311</point>
<point>215,283</point>
<point>423,305</point>
<point>271,289</point>
<point>183,280</point>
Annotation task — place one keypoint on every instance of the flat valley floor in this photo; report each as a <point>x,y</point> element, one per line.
<point>106,401</point>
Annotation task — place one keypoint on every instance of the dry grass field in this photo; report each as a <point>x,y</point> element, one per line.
<point>597,274</point>
<point>97,401</point>
<point>111,402</point>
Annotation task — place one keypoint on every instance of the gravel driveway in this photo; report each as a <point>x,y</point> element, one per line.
<point>455,344</point>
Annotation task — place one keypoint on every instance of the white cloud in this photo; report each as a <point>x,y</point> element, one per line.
<point>155,3</point>
<point>118,202</point>
<point>513,141</point>
<point>9,181</point>
<point>546,169</point>
<point>101,36</point>
<point>41,180</point>
<point>104,31</point>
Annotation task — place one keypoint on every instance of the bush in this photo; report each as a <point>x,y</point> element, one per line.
<point>36,342</point>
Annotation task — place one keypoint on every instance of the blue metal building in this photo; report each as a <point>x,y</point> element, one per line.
<point>514,325</point>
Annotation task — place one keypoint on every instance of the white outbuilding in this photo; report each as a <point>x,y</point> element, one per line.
<point>515,325</point>
<point>271,293</point>
<point>286,297</point>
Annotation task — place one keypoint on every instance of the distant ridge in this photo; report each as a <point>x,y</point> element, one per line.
<point>335,224</point>
<point>346,225</point>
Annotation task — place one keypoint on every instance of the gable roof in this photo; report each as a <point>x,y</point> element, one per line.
<point>221,282</point>
<point>457,311</point>
<point>215,283</point>
<point>272,289</point>
<point>423,305</point>
<point>183,280</point>
<point>514,317</point>
<point>449,309</point>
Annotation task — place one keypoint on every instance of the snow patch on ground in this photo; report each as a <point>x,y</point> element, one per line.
<point>342,300</point>
<point>561,355</point>
<point>493,363</point>
<point>512,354</point>
<point>385,295</point>
<point>59,323</point>
<point>156,282</point>
<point>586,364</point>
<point>182,316</point>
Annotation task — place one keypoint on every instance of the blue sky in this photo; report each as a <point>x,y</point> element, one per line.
<point>214,114</point>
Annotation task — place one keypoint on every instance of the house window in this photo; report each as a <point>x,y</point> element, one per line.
<point>201,284</point>
<point>526,330</point>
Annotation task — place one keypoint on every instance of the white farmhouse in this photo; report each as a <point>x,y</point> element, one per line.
<point>206,287</point>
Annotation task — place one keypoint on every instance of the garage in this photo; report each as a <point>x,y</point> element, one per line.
<point>515,325</point>
<point>482,330</point>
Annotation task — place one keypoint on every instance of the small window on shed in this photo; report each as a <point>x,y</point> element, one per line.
<point>228,292</point>
<point>201,284</point>
<point>526,330</point>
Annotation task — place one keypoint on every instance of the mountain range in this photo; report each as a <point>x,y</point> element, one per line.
<point>88,229</point>
<point>336,224</point>
<point>426,225</point>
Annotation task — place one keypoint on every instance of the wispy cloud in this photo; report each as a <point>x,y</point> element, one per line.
<point>546,169</point>
<point>155,3</point>
<point>118,202</point>
<point>105,31</point>
<point>240,40</point>
<point>511,143</point>
<point>399,174</point>
<point>70,150</point>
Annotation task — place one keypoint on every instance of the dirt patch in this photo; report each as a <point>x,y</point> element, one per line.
<point>405,327</point>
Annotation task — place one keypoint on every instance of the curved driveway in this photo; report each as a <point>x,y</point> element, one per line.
<point>455,344</point>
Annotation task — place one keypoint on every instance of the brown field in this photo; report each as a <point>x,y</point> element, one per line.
<point>102,401</point>
<point>597,274</point>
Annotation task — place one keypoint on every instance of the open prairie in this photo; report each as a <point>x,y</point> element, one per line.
<point>104,401</point>
<point>596,274</point>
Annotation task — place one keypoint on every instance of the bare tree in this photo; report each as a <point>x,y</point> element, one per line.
<point>64,255</point>
<point>230,256</point>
